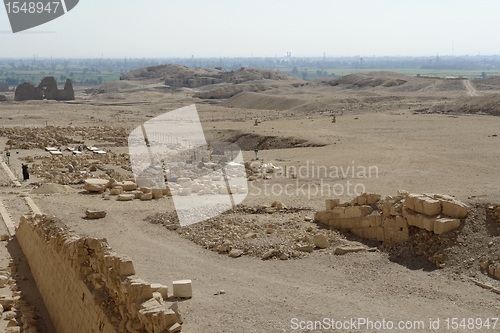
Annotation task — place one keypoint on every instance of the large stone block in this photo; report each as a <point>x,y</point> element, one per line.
<point>454,208</point>
<point>331,203</point>
<point>323,216</point>
<point>413,218</point>
<point>182,289</point>
<point>423,204</point>
<point>126,185</point>
<point>442,225</point>
<point>430,207</point>
<point>95,185</point>
<point>372,198</point>
<point>125,197</point>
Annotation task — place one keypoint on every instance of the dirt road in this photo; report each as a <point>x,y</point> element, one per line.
<point>470,88</point>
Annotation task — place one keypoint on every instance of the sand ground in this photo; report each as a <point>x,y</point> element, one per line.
<point>421,153</point>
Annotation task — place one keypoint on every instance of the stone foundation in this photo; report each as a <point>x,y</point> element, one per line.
<point>88,288</point>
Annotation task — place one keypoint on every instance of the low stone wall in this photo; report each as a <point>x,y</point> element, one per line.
<point>88,288</point>
<point>387,220</point>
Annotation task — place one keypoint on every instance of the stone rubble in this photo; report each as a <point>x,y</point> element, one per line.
<point>388,220</point>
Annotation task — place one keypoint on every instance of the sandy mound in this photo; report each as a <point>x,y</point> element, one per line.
<point>249,100</point>
<point>392,81</point>
<point>492,83</point>
<point>489,104</point>
<point>52,189</point>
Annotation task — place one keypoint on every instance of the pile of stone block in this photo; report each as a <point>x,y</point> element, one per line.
<point>387,220</point>
<point>93,282</point>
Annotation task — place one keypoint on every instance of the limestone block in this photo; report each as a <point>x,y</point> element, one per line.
<point>182,289</point>
<point>380,234</point>
<point>323,216</point>
<point>352,211</point>
<point>413,218</point>
<point>235,253</point>
<point>145,190</point>
<point>3,280</point>
<point>111,181</point>
<point>454,208</point>
<point>268,254</point>
<point>428,222</point>
<point>126,185</point>
<point>95,185</point>
<point>160,288</point>
<point>320,241</point>
<point>365,210</point>
<point>442,225</point>
<point>401,222</point>
<point>395,209</point>
<point>115,191</point>
<point>332,203</point>
<point>362,200</point>
<point>372,198</point>
<point>306,248</point>
<point>175,328</point>
<point>137,194</point>
<point>147,196</point>
<point>126,267</point>
<point>430,207</point>
<point>157,193</point>
<point>338,213</point>
<point>368,233</point>
<point>125,197</point>
<point>346,249</point>
<point>95,213</point>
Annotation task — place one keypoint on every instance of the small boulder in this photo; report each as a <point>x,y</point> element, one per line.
<point>95,185</point>
<point>347,249</point>
<point>306,248</point>
<point>125,197</point>
<point>95,214</point>
<point>320,241</point>
<point>234,253</point>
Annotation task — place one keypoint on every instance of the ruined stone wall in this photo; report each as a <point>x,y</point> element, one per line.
<point>88,288</point>
<point>387,220</point>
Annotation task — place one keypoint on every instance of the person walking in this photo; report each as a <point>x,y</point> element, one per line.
<point>26,174</point>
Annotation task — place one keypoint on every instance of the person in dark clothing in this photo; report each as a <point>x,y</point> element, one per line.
<point>26,174</point>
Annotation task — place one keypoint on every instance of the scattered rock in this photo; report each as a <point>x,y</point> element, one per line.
<point>95,185</point>
<point>321,241</point>
<point>234,253</point>
<point>347,249</point>
<point>125,197</point>
<point>306,248</point>
<point>95,214</point>
<point>268,254</point>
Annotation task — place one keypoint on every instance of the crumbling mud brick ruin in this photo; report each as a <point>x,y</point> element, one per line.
<point>47,89</point>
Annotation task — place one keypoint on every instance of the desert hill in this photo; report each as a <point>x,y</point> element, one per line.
<point>486,104</point>
<point>492,83</point>
<point>392,81</point>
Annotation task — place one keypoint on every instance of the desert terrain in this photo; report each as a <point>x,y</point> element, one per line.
<point>421,135</point>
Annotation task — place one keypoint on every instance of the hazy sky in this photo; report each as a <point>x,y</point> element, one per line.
<point>240,28</point>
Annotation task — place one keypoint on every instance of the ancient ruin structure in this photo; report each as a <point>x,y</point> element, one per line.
<point>387,220</point>
<point>46,89</point>
<point>182,76</point>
